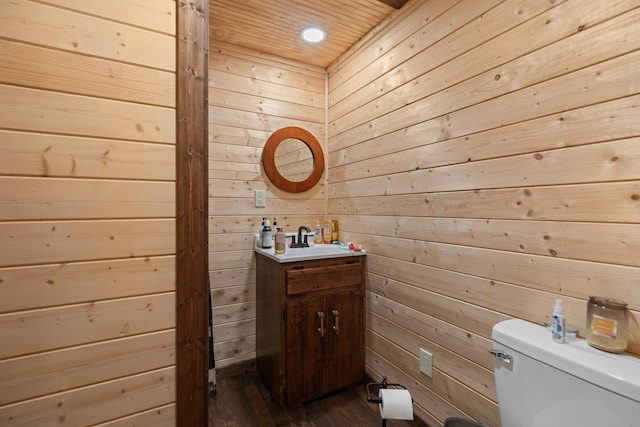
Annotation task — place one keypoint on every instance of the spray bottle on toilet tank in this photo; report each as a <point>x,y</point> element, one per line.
<point>557,323</point>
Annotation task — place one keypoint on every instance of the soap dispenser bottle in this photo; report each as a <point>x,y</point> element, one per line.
<point>267,240</point>
<point>317,237</point>
<point>557,323</point>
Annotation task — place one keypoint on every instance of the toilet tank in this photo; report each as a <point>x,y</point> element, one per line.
<point>540,383</point>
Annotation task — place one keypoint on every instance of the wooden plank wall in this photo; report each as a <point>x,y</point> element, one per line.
<point>87,212</point>
<point>251,95</point>
<point>487,155</point>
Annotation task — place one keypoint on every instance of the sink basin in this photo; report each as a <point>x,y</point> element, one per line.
<point>312,252</point>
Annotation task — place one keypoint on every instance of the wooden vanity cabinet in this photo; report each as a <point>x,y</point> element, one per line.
<point>310,326</point>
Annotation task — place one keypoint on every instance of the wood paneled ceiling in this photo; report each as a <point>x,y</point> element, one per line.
<point>274,26</point>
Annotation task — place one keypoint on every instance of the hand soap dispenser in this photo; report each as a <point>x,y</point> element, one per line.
<point>317,237</point>
<point>265,235</point>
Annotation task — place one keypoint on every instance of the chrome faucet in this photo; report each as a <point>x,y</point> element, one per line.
<point>300,243</point>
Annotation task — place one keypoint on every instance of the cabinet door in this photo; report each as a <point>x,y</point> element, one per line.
<point>306,350</point>
<point>346,346</point>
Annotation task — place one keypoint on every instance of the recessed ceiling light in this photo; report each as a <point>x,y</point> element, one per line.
<point>312,34</point>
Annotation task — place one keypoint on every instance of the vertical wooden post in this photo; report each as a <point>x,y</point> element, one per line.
<point>192,213</point>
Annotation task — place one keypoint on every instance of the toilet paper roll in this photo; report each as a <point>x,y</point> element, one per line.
<point>396,404</point>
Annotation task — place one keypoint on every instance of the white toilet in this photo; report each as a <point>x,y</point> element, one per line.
<point>541,383</point>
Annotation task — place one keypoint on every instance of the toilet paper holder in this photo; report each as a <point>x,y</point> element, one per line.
<point>376,398</point>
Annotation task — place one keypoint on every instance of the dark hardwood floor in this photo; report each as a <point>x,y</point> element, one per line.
<point>243,401</point>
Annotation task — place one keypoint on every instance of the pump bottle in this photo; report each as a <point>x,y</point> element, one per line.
<point>317,237</point>
<point>267,240</point>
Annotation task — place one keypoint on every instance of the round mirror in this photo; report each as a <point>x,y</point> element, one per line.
<point>293,159</point>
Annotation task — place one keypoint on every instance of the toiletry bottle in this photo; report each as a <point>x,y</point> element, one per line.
<point>259,239</point>
<point>267,241</point>
<point>317,237</point>
<point>327,232</point>
<point>334,230</point>
<point>281,241</point>
<point>274,230</point>
<point>557,323</point>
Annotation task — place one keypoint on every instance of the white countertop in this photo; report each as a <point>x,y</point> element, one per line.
<point>312,252</point>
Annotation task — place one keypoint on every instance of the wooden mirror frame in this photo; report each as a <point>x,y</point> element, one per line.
<point>269,160</point>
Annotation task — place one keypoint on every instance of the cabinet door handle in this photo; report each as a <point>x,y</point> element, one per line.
<point>336,321</point>
<point>321,328</point>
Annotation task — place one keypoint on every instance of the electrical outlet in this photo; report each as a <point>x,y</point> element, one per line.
<point>261,198</point>
<point>426,363</point>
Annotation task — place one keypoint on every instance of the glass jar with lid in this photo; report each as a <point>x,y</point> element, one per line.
<point>607,324</point>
